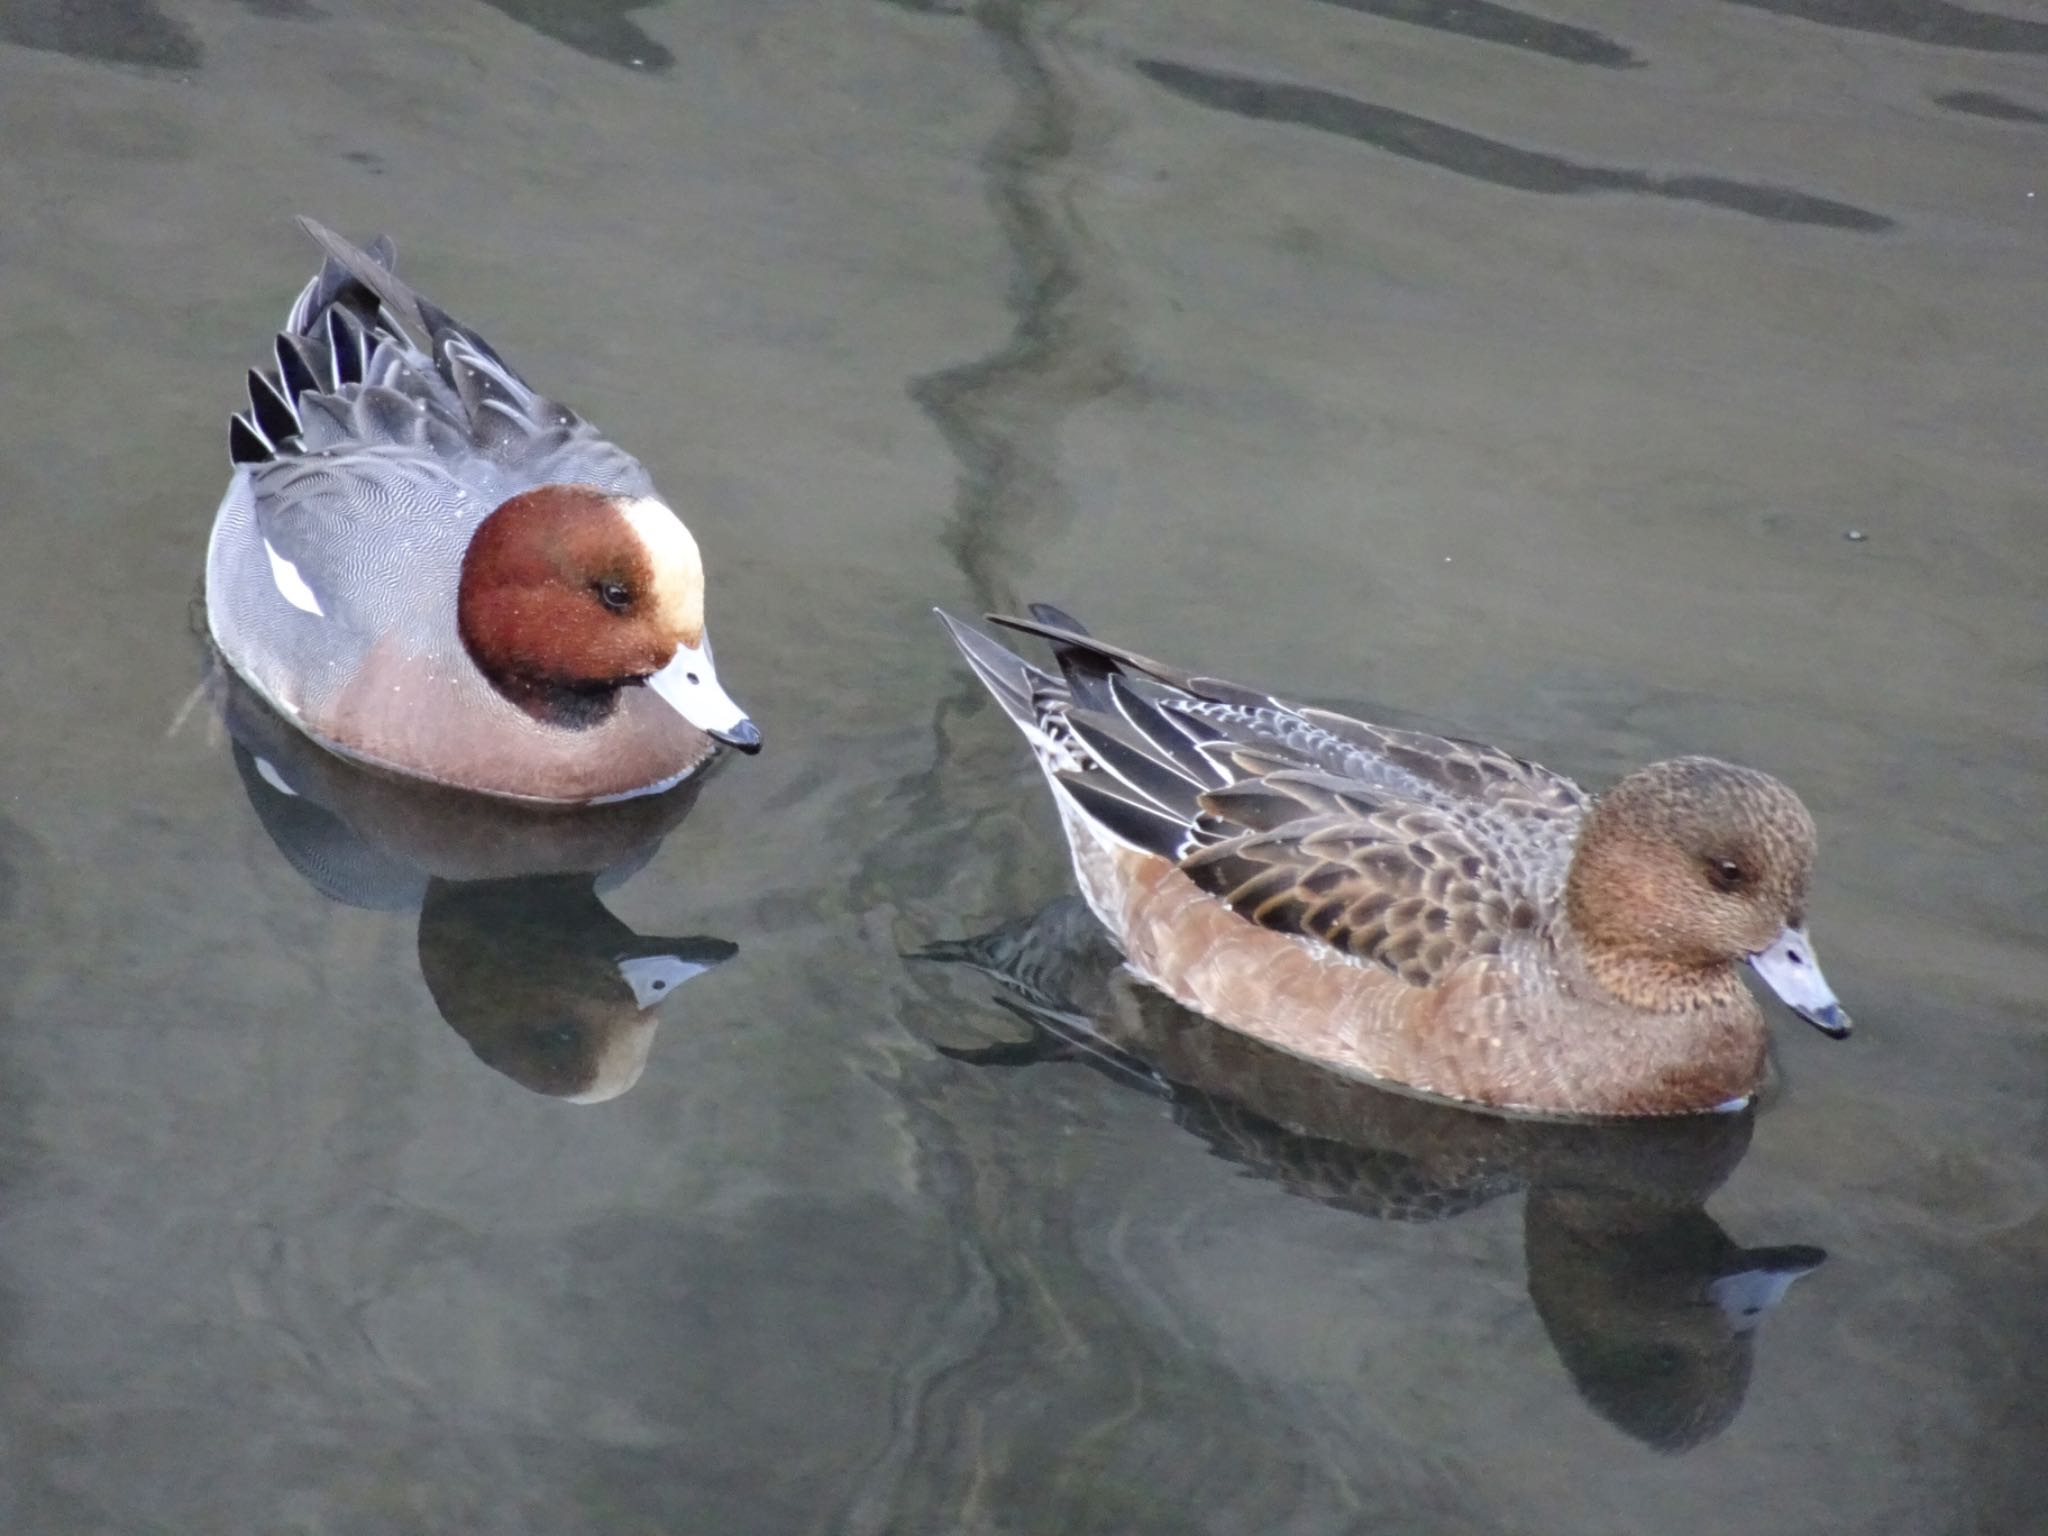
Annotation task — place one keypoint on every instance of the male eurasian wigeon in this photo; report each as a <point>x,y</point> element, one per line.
<point>425,565</point>
<point>1424,912</point>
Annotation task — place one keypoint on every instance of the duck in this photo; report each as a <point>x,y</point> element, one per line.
<point>427,566</point>
<point>1422,912</point>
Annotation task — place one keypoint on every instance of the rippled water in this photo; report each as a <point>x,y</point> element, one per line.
<point>1524,373</point>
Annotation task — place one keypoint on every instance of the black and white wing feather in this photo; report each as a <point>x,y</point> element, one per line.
<point>1410,850</point>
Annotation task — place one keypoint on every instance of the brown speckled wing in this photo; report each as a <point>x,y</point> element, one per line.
<point>1412,851</point>
<point>1406,885</point>
<point>1447,770</point>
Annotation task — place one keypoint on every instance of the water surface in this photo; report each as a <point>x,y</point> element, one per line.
<point>1519,371</point>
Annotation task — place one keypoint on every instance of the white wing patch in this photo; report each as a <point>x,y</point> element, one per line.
<point>268,771</point>
<point>291,585</point>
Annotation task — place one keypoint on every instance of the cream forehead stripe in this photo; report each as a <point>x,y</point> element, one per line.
<point>673,558</point>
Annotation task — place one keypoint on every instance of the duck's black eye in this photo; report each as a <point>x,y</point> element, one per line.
<point>613,595</point>
<point>1726,874</point>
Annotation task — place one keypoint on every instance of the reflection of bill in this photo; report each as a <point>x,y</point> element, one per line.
<point>547,986</point>
<point>1648,1303</point>
<point>517,949</point>
<point>1652,1308</point>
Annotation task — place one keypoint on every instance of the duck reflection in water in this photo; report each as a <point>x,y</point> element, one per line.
<point>1651,1307</point>
<point>517,949</point>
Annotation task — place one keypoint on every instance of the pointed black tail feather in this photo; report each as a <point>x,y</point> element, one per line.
<point>1062,639</point>
<point>1009,678</point>
<point>296,369</point>
<point>1085,668</point>
<point>1125,814</point>
<point>1173,736</point>
<point>338,282</point>
<point>246,444</point>
<point>351,266</point>
<point>1045,613</point>
<point>1125,756</point>
<point>274,416</point>
<point>347,351</point>
<point>372,271</point>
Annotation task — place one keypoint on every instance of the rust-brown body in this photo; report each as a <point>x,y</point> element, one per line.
<point>415,715</point>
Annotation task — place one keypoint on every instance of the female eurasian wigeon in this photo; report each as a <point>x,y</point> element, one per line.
<point>1425,912</point>
<point>425,565</point>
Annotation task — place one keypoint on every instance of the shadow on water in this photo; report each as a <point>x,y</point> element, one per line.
<point>1502,24</point>
<point>1934,22</point>
<point>1001,414</point>
<point>1990,104</point>
<point>27,927</point>
<point>1489,160</point>
<point>137,32</point>
<point>107,31</point>
<point>124,31</point>
<point>1651,1307</point>
<point>604,29</point>
<point>520,954</point>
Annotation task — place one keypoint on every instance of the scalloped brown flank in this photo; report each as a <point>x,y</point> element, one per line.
<point>1497,1031</point>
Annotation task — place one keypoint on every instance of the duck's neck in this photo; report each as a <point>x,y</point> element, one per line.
<point>1657,984</point>
<point>1672,1039</point>
<point>555,704</point>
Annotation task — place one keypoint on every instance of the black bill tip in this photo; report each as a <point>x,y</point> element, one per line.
<point>1829,1020</point>
<point>746,736</point>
